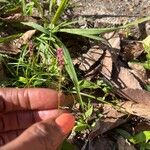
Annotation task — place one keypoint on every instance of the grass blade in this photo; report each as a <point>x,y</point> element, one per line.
<point>9,38</point>
<point>70,69</point>
<point>59,11</point>
<point>90,31</point>
<point>36,26</point>
<point>136,22</point>
<point>39,7</point>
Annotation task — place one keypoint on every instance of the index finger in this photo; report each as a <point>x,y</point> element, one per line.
<point>13,99</point>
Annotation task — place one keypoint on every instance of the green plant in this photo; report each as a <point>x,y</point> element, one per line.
<point>142,138</point>
<point>146,45</point>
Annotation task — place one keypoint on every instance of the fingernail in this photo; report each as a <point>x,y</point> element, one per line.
<point>66,122</point>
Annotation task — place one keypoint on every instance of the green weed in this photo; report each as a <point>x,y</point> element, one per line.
<point>142,138</point>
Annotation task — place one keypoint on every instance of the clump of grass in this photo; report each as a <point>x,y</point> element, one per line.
<point>37,66</point>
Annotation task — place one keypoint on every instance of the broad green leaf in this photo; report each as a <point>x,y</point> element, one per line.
<point>23,80</point>
<point>89,112</point>
<point>146,44</point>
<point>36,26</point>
<point>142,137</point>
<point>80,127</point>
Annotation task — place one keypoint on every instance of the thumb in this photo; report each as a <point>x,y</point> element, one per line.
<point>45,135</point>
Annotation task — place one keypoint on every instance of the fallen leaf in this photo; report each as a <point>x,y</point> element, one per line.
<point>112,118</point>
<point>99,143</point>
<point>137,95</point>
<point>18,17</point>
<point>131,49</point>
<point>139,71</point>
<point>113,39</point>
<point>9,48</point>
<point>24,39</point>
<point>136,109</point>
<point>88,59</point>
<point>125,79</point>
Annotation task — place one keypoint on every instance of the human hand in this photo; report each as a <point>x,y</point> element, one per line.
<point>30,120</point>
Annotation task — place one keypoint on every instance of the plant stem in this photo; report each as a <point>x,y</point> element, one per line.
<point>59,11</point>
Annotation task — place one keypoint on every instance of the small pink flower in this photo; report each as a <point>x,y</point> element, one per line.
<point>60,58</point>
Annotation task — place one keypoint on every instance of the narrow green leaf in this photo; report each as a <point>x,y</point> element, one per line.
<point>9,38</point>
<point>136,22</point>
<point>124,133</point>
<point>59,11</point>
<point>70,69</point>
<point>36,26</point>
<point>90,31</point>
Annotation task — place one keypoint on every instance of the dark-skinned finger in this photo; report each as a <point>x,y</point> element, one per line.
<point>12,99</point>
<point>48,134</point>
<point>9,136</point>
<point>23,119</point>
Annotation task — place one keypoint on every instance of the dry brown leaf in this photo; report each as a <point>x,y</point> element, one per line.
<point>139,71</point>
<point>9,48</point>
<point>24,39</point>
<point>131,49</point>
<point>136,109</point>
<point>113,39</point>
<point>106,65</point>
<point>137,95</point>
<point>124,144</point>
<point>125,79</point>
<point>112,119</point>
<point>88,59</point>
<point>13,18</point>
<point>13,47</point>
